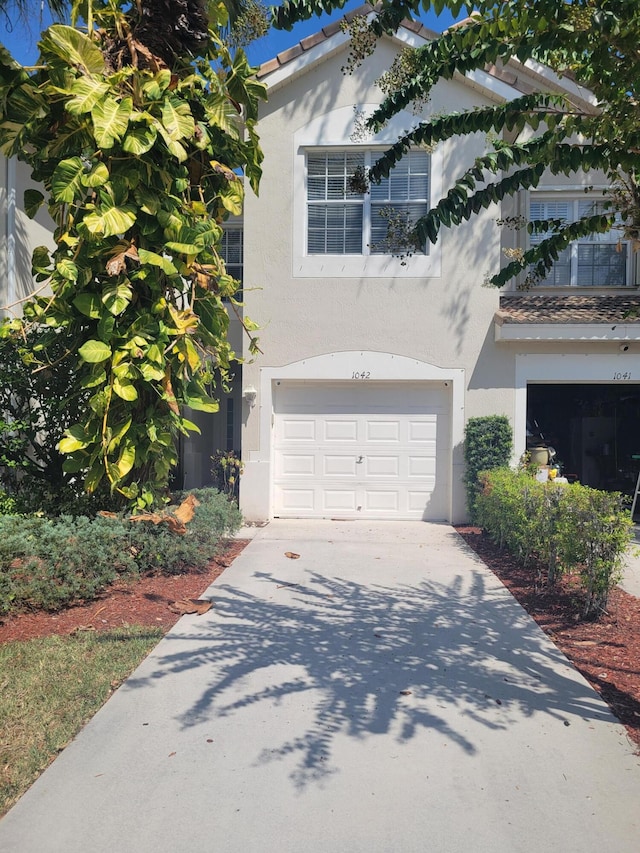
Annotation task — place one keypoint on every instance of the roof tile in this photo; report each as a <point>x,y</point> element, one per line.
<point>570,309</point>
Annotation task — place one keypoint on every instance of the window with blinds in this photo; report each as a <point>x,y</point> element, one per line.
<point>599,260</point>
<point>342,221</point>
<point>231,251</point>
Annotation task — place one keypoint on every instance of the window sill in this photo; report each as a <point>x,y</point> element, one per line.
<point>367,266</point>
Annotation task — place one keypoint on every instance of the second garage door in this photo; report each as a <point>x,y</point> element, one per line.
<point>362,450</point>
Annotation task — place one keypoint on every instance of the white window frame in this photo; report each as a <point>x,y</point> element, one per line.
<point>610,238</point>
<point>235,225</point>
<point>367,202</point>
<point>335,130</point>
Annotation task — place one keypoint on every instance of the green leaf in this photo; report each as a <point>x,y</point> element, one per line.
<point>150,372</point>
<point>97,177</point>
<point>139,140</point>
<point>33,199</point>
<point>110,221</point>
<point>87,92</point>
<point>125,461</point>
<point>156,260</point>
<point>118,433</point>
<point>74,47</point>
<point>94,379</point>
<point>89,305</point>
<point>94,476</point>
<point>67,269</point>
<point>94,351</point>
<point>155,88</point>
<point>41,261</point>
<point>202,403</point>
<point>66,182</point>
<point>74,466</point>
<point>221,113</point>
<point>125,389</point>
<point>177,119</point>
<point>111,120</point>
<point>75,438</point>
<point>116,298</point>
<point>232,196</point>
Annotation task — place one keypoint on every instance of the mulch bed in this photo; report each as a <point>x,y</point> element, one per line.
<point>607,653</point>
<point>146,601</point>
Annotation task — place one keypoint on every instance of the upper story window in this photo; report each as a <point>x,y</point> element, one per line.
<point>232,251</point>
<point>599,260</point>
<point>343,221</point>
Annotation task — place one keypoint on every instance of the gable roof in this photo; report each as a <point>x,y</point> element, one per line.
<point>507,82</point>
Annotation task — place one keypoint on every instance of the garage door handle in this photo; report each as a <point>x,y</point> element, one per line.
<point>360,459</point>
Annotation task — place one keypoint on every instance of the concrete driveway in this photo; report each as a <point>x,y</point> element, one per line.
<point>381,693</point>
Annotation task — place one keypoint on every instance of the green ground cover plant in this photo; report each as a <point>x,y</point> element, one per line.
<point>51,687</point>
<point>49,563</point>
<point>558,528</point>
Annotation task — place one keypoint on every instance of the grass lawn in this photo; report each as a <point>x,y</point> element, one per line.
<point>50,687</point>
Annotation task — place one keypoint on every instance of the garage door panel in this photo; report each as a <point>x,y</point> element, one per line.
<point>297,465</point>
<point>298,430</point>
<point>340,500</point>
<point>349,451</point>
<point>418,500</point>
<point>381,501</point>
<point>382,431</point>
<point>298,500</point>
<point>424,429</point>
<point>422,466</point>
<point>339,466</point>
<point>341,430</point>
<point>381,466</point>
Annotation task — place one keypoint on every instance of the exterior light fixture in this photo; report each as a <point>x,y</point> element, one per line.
<point>250,394</point>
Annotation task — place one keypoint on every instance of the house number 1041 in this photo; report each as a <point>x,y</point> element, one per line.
<point>361,374</point>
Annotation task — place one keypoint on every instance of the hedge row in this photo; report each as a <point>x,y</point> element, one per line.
<point>560,527</point>
<point>49,563</point>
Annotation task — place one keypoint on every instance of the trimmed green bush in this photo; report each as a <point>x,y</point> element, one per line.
<point>158,549</point>
<point>560,527</point>
<point>487,444</point>
<point>49,563</point>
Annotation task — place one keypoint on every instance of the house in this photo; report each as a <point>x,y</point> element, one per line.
<point>372,362</point>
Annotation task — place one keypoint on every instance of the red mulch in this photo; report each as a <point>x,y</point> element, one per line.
<point>138,602</point>
<point>607,653</point>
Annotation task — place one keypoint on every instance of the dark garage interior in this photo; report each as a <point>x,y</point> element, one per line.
<point>594,429</point>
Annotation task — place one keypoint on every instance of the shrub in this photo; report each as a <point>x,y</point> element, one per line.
<point>487,444</point>
<point>49,563</point>
<point>158,549</point>
<point>564,527</point>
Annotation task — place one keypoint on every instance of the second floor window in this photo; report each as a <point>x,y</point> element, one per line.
<point>231,251</point>
<point>599,260</point>
<point>343,221</point>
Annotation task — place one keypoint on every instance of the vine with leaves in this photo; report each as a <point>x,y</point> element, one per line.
<point>139,127</point>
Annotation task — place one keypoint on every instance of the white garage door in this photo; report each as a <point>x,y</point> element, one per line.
<point>362,450</point>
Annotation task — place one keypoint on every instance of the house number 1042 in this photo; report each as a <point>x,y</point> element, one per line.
<point>361,374</point>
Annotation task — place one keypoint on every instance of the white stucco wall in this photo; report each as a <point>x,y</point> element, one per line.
<point>19,235</point>
<point>435,311</point>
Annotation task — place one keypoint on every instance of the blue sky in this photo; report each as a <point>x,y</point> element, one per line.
<point>22,39</point>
